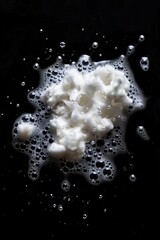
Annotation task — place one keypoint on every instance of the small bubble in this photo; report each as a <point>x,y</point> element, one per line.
<point>23,84</point>
<point>82,29</point>
<point>17,105</point>
<point>24,59</point>
<point>52,196</point>
<point>100,196</point>
<point>141,38</point>
<point>144,63</point>
<point>94,45</point>
<point>50,50</point>
<point>105,210</point>
<point>60,207</point>
<point>85,216</point>
<point>59,58</point>
<point>62,44</point>
<point>65,185</point>
<point>36,66</point>
<point>141,131</point>
<point>132,178</point>
<point>41,30</point>
<point>130,49</point>
<point>54,205</point>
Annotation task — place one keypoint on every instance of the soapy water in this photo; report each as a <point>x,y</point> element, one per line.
<point>97,163</point>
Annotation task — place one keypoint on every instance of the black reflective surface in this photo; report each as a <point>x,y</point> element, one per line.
<point>121,208</point>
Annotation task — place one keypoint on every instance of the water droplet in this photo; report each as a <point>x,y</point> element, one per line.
<point>62,44</point>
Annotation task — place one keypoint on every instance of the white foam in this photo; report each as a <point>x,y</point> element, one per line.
<point>25,130</point>
<point>92,145</point>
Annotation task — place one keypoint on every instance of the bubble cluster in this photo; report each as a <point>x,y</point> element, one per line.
<point>97,163</point>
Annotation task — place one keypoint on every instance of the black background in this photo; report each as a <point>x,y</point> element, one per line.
<point>126,210</point>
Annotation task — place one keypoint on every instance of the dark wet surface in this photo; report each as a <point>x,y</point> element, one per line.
<point>121,208</point>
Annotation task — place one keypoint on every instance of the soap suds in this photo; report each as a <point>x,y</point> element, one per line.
<point>80,117</point>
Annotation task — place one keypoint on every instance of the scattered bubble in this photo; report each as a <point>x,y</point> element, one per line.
<point>17,105</point>
<point>65,185</point>
<point>144,63</point>
<point>23,84</point>
<point>85,216</point>
<point>132,178</point>
<point>141,38</point>
<point>94,45</point>
<point>36,66</point>
<point>130,50</point>
<point>100,196</point>
<point>62,44</point>
<point>141,131</point>
<point>60,207</point>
